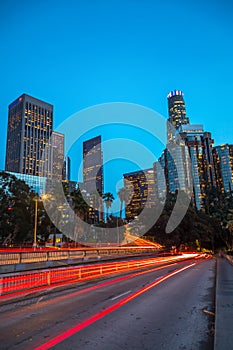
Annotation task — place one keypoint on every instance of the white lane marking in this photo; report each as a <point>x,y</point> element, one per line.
<point>40,299</point>
<point>121,295</point>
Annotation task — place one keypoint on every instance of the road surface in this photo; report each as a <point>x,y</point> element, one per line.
<point>164,308</point>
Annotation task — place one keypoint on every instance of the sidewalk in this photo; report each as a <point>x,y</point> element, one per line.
<point>224,306</point>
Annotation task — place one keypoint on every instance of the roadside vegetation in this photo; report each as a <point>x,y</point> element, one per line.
<point>210,230</point>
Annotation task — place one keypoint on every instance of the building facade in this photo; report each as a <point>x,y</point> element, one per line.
<point>93,165</point>
<point>93,181</point>
<point>66,169</point>
<point>176,166</point>
<point>223,162</point>
<point>176,112</point>
<point>36,183</point>
<point>160,180</point>
<point>57,155</point>
<point>199,144</point>
<point>141,186</point>
<point>30,124</point>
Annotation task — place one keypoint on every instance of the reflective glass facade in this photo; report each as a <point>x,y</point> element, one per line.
<point>66,169</point>
<point>30,123</point>
<point>199,145</point>
<point>160,181</point>
<point>37,183</point>
<point>176,165</point>
<point>223,167</point>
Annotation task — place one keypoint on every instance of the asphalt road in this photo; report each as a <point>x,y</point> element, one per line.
<point>118,313</point>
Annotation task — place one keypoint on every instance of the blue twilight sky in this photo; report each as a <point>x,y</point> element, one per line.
<point>75,54</point>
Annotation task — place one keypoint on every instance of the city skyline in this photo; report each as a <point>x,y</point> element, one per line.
<point>80,63</point>
<point>132,100</point>
<point>177,112</point>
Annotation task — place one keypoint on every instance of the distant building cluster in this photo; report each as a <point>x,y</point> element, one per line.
<point>196,165</point>
<point>35,152</point>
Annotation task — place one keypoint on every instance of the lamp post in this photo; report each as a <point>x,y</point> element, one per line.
<point>35,222</point>
<point>118,236</point>
<point>36,199</point>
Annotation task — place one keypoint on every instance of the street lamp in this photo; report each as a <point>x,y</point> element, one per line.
<point>118,236</point>
<point>35,222</point>
<point>36,199</point>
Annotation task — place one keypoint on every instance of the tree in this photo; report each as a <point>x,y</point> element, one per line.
<point>80,206</point>
<point>220,207</point>
<point>81,209</point>
<point>16,210</point>
<point>108,199</point>
<point>197,229</point>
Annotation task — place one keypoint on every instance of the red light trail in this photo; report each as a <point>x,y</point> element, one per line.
<point>33,281</point>
<point>61,337</point>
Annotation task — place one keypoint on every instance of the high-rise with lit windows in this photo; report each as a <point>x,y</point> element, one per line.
<point>223,162</point>
<point>93,182</point>
<point>30,123</point>
<point>141,185</point>
<point>176,112</point>
<point>188,159</point>
<point>199,144</point>
<point>93,165</point>
<point>57,155</point>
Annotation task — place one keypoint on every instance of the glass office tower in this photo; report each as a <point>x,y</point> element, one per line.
<point>176,112</point>
<point>223,167</point>
<point>57,157</point>
<point>30,123</point>
<point>141,185</point>
<point>93,165</point>
<point>93,182</point>
<point>199,145</point>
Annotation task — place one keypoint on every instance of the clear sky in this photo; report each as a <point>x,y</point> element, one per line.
<point>75,54</point>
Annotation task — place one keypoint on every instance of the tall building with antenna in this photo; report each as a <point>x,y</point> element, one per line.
<point>176,112</point>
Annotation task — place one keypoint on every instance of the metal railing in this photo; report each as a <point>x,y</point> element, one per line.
<point>9,258</point>
<point>15,283</point>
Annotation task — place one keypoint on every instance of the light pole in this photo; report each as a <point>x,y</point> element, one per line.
<point>118,236</point>
<point>36,199</point>
<point>35,222</point>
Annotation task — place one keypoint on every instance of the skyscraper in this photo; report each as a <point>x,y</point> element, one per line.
<point>199,145</point>
<point>57,156</point>
<point>93,182</point>
<point>93,165</point>
<point>176,112</point>
<point>160,181</point>
<point>66,169</point>
<point>223,167</point>
<point>195,145</point>
<point>142,184</point>
<point>176,166</point>
<point>30,123</point>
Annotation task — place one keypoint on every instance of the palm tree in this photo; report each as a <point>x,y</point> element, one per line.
<point>108,199</point>
<point>81,209</point>
<point>80,206</point>
<point>122,196</point>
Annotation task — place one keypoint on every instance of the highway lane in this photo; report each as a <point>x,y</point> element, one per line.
<point>167,316</point>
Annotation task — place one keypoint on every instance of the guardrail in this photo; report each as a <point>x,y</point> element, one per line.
<point>15,283</point>
<point>9,258</point>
